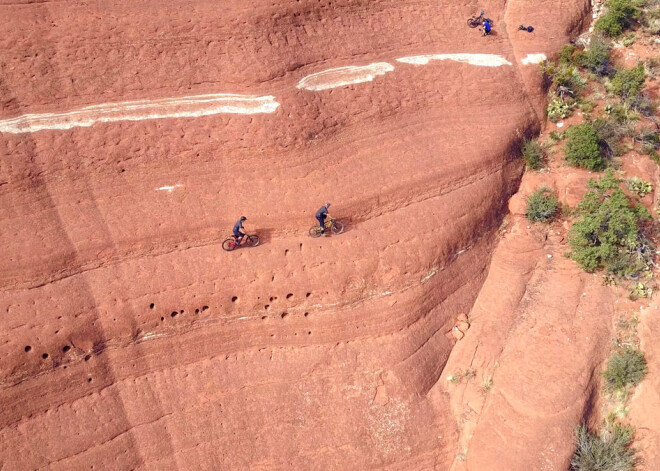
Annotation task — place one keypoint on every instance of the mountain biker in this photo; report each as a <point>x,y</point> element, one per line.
<point>487,27</point>
<point>238,233</point>
<point>321,214</point>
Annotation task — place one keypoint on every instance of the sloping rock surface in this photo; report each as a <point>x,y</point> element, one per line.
<point>134,134</point>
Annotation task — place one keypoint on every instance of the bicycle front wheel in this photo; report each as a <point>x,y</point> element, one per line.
<point>315,231</point>
<point>252,240</point>
<point>228,245</point>
<point>337,227</point>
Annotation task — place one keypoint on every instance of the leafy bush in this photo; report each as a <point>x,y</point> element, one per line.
<point>620,15</point>
<point>609,452</point>
<point>562,78</point>
<point>629,40</point>
<point>628,83</point>
<point>597,58</point>
<point>558,110</point>
<point>639,186</point>
<point>556,136</point>
<point>533,154</point>
<point>649,139</point>
<point>541,205</point>
<point>622,112</point>
<point>587,106</point>
<point>583,148</point>
<point>610,233</point>
<point>625,368</point>
<point>567,55</point>
<point>610,131</point>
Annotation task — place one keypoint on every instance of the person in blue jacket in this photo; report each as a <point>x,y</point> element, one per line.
<point>487,27</point>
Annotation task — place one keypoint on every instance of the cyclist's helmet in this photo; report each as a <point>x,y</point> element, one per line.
<point>327,205</point>
<point>243,218</point>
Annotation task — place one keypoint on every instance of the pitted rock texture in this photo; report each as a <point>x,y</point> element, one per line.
<point>130,340</point>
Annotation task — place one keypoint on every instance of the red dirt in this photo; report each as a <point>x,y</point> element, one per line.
<point>151,348</point>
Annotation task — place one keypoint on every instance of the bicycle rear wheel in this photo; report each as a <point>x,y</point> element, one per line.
<point>315,231</point>
<point>252,240</point>
<point>337,227</point>
<point>228,245</point>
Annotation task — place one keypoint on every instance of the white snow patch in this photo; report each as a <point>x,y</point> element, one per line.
<point>178,107</point>
<point>342,76</point>
<point>533,58</point>
<point>486,60</point>
<point>169,189</point>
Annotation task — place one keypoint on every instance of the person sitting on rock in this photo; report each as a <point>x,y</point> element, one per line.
<point>487,27</point>
<point>321,215</point>
<point>238,230</point>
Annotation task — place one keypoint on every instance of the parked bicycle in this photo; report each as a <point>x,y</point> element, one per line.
<point>475,21</point>
<point>248,240</point>
<point>336,227</point>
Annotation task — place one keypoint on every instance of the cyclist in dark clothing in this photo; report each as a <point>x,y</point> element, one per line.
<point>238,230</point>
<point>321,215</point>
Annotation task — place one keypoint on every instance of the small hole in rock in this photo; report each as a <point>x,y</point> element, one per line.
<point>27,348</point>
<point>181,311</point>
<point>309,333</point>
<point>162,318</point>
<point>196,311</point>
<point>306,314</point>
<point>289,296</point>
<point>234,299</point>
<point>286,251</point>
<point>66,348</point>
<point>266,306</point>
<point>152,305</point>
<point>88,357</point>
<point>264,318</point>
<point>44,356</point>
<point>284,314</point>
<point>204,308</point>
<point>308,295</point>
<point>174,314</point>
<point>89,380</point>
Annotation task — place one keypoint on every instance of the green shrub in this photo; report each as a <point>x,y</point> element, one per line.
<point>625,368</point>
<point>629,40</point>
<point>567,55</point>
<point>586,106</point>
<point>610,233</point>
<point>619,16</point>
<point>649,139</point>
<point>622,112</point>
<point>610,131</point>
<point>628,83</point>
<point>597,58</point>
<point>533,154</point>
<point>639,186</point>
<point>558,110</point>
<point>583,148</point>
<point>556,136</point>
<point>610,451</point>
<point>541,205</point>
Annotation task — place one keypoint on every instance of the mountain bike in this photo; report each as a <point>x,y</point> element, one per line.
<point>336,227</point>
<point>475,21</point>
<point>249,240</point>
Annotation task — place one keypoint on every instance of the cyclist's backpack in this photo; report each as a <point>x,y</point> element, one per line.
<point>530,29</point>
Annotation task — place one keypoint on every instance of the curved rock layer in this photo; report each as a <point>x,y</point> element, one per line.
<point>130,340</point>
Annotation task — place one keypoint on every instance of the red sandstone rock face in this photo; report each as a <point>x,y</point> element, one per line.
<point>129,339</point>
